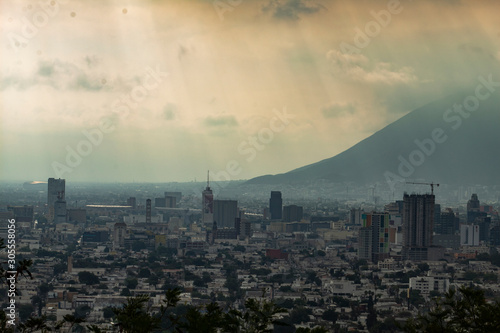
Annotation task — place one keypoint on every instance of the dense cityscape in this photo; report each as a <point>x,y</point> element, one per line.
<point>249,166</point>
<point>335,265</point>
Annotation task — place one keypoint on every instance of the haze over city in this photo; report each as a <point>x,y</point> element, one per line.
<point>285,166</point>
<point>188,86</point>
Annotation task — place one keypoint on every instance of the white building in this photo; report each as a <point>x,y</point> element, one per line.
<point>426,284</point>
<point>469,234</point>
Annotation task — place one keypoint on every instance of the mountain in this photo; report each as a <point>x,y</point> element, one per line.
<point>437,142</point>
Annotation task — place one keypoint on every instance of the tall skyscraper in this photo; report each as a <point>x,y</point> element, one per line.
<point>473,208</point>
<point>276,205</point>
<point>225,213</point>
<point>132,202</point>
<point>60,213</point>
<point>56,188</point>
<point>119,232</point>
<point>148,211</point>
<point>418,225</point>
<point>373,240</point>
<point>207,204</point>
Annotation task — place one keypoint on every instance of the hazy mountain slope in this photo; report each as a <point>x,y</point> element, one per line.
<point>469,154</point>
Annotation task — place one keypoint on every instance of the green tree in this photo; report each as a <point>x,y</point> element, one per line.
<point>107,312</point>
<point>4,325</point>
<point>25,311</point>
<point>144,273</point>
<point>88,278</point>
<point>70,321</point>
<point>34,324</point>
<point>462,311</point>
<point>135,316</point>
<point>131,283</point>
<point>260,316</point>
<point>330,315</point>
<point>239,248</point>
<point>299,315</point>
<point>138,245</point>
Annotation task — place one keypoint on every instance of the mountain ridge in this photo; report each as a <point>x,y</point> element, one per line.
<point>463,152</point>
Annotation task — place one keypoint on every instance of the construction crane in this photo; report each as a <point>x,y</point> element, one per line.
<point>431,184</point>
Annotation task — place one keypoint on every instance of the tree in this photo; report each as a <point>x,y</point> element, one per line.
<point>134,317</point>
<point>138,245</point>
<point>153,279</point>
<point>107,312</point>
<point>88,278</point>
<point>416,298</point>
<point>371,319</point>
<point>239,248</point>
<point>25,311</point>
<point>299,315</point>
<point>4,326</point>
<point>208,321</point>
<point>260,316</point>
<point>131,283</point>
<point>94,329</point>
<point>424,267</point>
<point>70,321</point>
<point>33,324</point>
<point>330,315</point>
<point>82,311</point>
<point>144,273</point>
<point>317,329</point>
<point>462,311</point>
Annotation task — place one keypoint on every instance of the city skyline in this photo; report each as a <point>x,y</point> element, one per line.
<point>190,87</point>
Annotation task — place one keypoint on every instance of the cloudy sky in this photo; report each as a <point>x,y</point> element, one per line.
<point>165,90</point>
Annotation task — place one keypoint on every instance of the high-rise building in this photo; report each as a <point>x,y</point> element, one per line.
<point>148,211</point>
<point>177,195</point>
<point>473,208</point>
<point>77,215</point>
<point>418,225</point>
<point>119,232</point>
<point>207,205</point>
<point>292,213</point>
<point>60,213</point>
<point>160,202</point>
<point>373,240</point>
<point>495,235</point>
<point>365,243</point>
<point>437,216</point>
<point>484,223</point>
<point>469,234</point>
<point>170,201</point>
<point>243,227</point>
<point>225,213</point>
<point>447,223</point>
<point>355,216</point>
<point>55,189</point>
<point>132,202</point>
<point>276,205</point>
